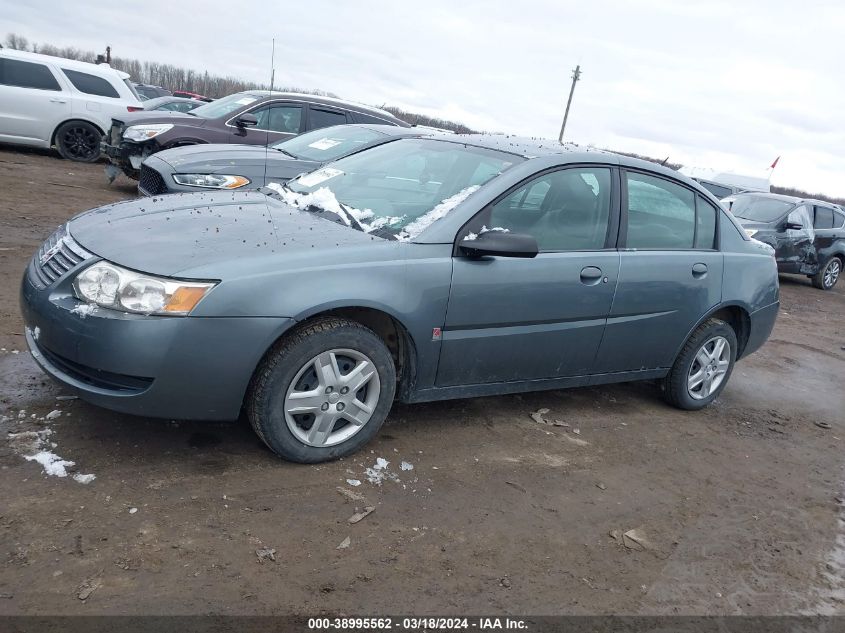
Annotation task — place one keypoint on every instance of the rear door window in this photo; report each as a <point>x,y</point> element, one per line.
<point>91,84</point>
<point>824,218</point>
<point>661,214</point>
<point>14,72</point>
<point>324,118</point>
<point>838,220</point>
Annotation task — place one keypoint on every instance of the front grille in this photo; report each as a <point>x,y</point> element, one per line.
<point>150,182</point>
<point>58,255</point>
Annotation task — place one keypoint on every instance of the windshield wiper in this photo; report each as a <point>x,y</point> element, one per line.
<point>285,152</point>
<point>351,217</point>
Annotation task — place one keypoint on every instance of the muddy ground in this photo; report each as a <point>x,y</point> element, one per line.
<point>736,507</point>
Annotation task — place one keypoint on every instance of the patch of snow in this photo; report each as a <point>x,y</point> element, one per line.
<point>51,463</point>
<point>55,413</point>
<point>406,466</point>
<point>84,479</point>
<point>34,333</point>
<point>377,473</point>
<point>133,510</point>
<point>427,219</point>
<point>324,198</point>
<point>470,237</point>
<point>353,482</point>
<point>84,309</point>
<point>484,229</point>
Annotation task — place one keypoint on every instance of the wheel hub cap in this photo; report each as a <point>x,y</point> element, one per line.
<point>332,397</point>
<point>709,368</point>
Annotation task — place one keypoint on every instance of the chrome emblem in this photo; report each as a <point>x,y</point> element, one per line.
<point>47,255</point>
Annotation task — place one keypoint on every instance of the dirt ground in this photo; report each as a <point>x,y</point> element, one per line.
<point>736,508</point>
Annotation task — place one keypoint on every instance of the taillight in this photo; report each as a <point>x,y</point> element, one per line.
<point>133,108</point>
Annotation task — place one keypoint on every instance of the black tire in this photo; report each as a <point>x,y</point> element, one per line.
<point>265,403</point>
<point>675,386</point>
<point>832,276</point>
<point>78,141</point>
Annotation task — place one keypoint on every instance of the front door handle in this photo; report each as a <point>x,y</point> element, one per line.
<point>590,275</point>
<point>699,271</point>
<point>58,100</point>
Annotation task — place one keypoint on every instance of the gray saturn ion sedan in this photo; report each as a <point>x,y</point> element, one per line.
<point>422,269</point>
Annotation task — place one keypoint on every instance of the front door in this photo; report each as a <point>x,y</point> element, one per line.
<point>277,121</point>
<point>795,247</point>
<point>32,102</point>
<point>515,319</point>
<point>670,274</point>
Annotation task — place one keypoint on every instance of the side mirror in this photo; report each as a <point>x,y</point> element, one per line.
<point>501,244</point>
<point>246,120</point>
<point>793,226</point>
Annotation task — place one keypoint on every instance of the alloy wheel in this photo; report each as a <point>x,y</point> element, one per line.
<point>79,142</point>
<point>709,368</point>
<point>332,397</point>
<point>831,274</point>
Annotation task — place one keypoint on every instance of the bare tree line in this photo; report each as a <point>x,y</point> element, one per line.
<point>178,78</point>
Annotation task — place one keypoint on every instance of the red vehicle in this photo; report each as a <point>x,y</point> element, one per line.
<point>191,95</point>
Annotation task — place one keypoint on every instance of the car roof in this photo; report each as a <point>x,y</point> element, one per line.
<point>104,70</point>
<point>785,198</point>
<point>304,96</point>
<point>530,148</point>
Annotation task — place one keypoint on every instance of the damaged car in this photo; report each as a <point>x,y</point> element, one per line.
<point>254,117</point>
<point>423,269</point>
<point>808,235</point>
<point>221,166</point>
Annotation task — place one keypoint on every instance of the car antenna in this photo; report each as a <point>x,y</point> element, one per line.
<point>272,77</point>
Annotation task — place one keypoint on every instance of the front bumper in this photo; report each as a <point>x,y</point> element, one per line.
<point>170,367</point>
<point>126,155</point>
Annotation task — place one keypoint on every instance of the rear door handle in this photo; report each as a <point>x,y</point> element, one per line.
<point>699,271</point>
<point>54,100</point>
<point>590,275</point>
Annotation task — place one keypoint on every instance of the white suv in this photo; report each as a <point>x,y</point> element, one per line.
<point>46,101</point>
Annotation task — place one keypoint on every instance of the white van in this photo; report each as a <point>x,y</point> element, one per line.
<point>46,101</point>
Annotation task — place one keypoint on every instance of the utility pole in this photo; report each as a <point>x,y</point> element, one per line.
<point>576,75</point>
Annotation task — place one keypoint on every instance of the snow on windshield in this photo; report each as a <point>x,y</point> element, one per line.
<point>424,221</point>
<point>366,219</point>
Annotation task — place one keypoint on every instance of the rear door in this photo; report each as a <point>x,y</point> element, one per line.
<point>670,273</point>
<point>33,102</point>
<point>515,319</point>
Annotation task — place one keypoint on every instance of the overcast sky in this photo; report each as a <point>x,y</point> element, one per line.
<point>718,84</point>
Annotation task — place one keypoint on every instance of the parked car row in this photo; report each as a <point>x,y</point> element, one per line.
<point>147,91</point>
<point>255,117</point>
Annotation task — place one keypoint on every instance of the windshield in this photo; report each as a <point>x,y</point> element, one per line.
<point>330,143</point>
<point>398,189</point>
<point>224,106</point>
<point>759,208</point>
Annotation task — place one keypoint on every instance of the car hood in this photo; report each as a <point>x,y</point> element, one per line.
<point>225,158</point>
<point>158,116</point>
<point>174,234</point>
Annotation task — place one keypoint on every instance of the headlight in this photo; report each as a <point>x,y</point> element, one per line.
<point>145,132</point>
<point>211,181</point>
<point>114,287</point>
<point>751,232</point>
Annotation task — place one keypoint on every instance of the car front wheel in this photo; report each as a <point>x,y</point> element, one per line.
<point>703,367</point>
<point>322,392</point>
<point>827,277</point>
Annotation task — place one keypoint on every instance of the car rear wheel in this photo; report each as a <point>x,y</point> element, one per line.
<point>703,367</point>
<point>827,277</point>
<point>323,391</point>
<point>79,141</point>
